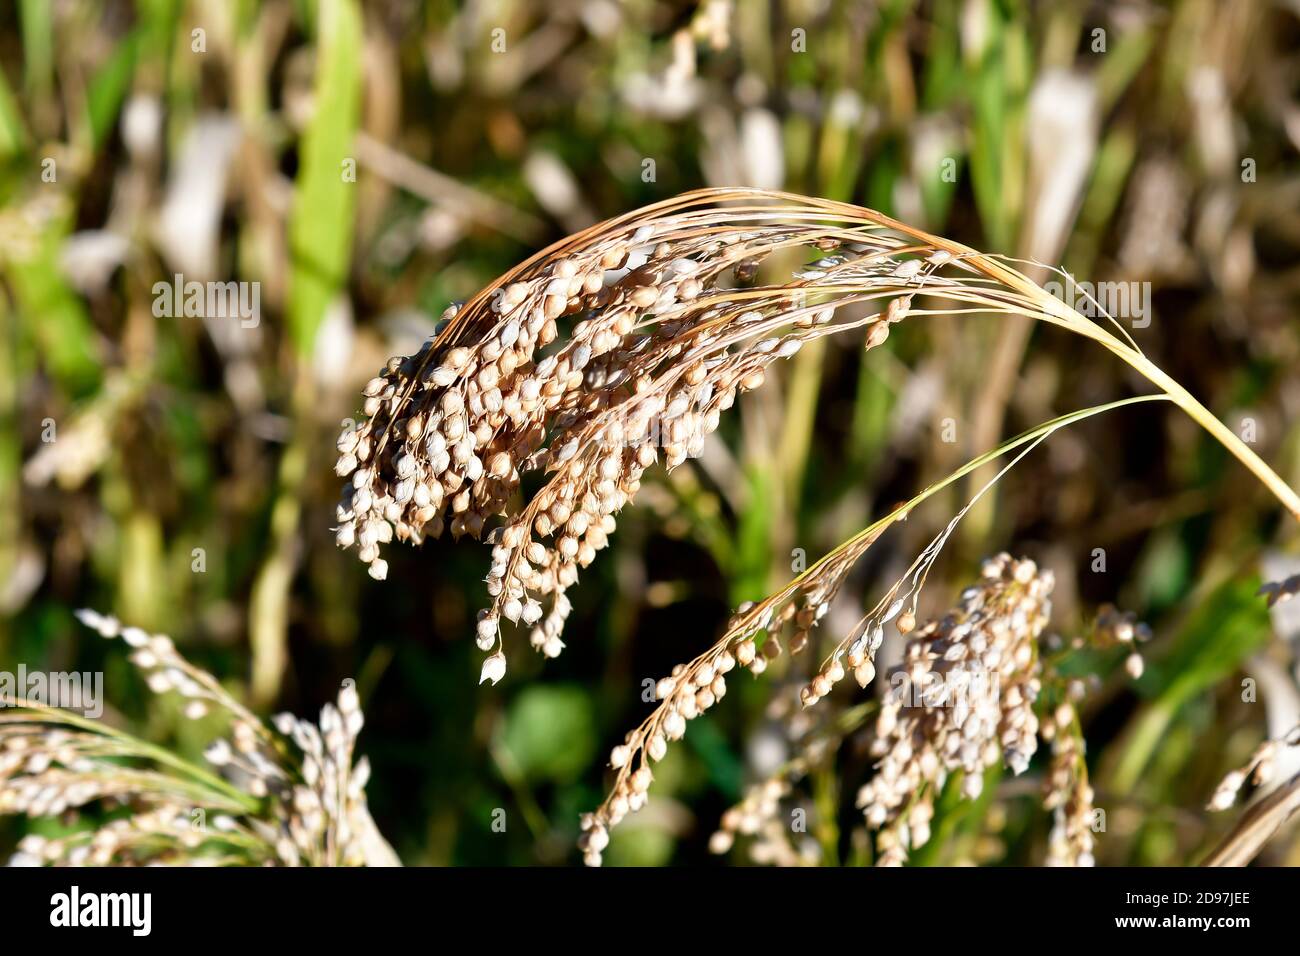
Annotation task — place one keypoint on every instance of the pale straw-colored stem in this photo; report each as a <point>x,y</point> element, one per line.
<point>1199,414</point>
<point>1059,313</point>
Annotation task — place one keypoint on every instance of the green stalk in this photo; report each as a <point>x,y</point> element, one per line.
<point>1206,419</point>
<point>1184,400</point>
<point>1024,438</point>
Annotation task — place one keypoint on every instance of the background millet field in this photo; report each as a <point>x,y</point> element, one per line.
<point>191,491</point>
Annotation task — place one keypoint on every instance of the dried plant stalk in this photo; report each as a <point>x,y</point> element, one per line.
<point>1259,824</point>
<point>1262,821</point>
<point>1259,769</point>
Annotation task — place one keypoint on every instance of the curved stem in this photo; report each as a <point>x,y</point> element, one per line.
<point>1059,313</point>
<point>1025,437</point>
<point>1199,414</point>
<point>1206,419</point>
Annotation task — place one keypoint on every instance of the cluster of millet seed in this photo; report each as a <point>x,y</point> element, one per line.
<point>758,814</point>
<point>120,840</point>
<point>687,693</point>
<point>1116,628</point>
<point>759,807</point>
<point>1066,791</point>
<point>683,695</point>
<point>860,657</point>
<point>693,688</point>
<point>858,649</point>
<point>44,778</point>
<point>961,700</point>
<point>774,842</point>
<point>773,838</point>
<point>312,808</point>
<point>620,347</point>
<point>165,671</point>
<point>1259,769</point>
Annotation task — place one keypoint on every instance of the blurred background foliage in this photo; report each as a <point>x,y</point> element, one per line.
<point>367,163</point>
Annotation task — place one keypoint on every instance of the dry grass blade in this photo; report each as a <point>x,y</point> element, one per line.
<point>1259,824</point>
<point>1262,820</point>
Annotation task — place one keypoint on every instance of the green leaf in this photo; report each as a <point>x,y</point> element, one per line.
<point>640,846</point>
<point>13,134</point>
<point>36,18</point>
<point>320,230</point>
<point>549,730</point>
<point>53,315</point>
<point>108,87</point>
